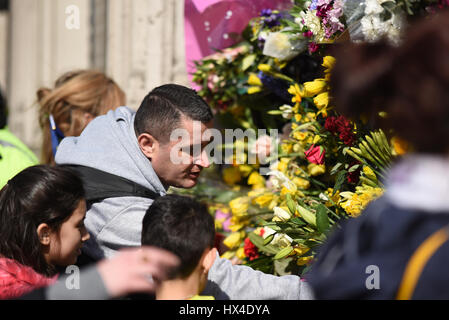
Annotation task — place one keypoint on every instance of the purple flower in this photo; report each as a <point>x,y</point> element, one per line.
<point>313,5</point>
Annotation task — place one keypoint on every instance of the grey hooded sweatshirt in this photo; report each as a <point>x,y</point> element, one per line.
<point>109,144</point>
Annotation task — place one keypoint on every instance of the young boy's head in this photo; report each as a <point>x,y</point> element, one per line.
<point>183,226</point>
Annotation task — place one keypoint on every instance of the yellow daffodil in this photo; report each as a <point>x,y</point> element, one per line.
<point>264,200</point>
<point>231,175</point>
<point>322,101</point>
<point>301,250</point>
<point>240,253</point>
<point>233,240</point>
<point>283,164</point>
<point>239,206</point>
<point>298,117</point>
<point>316,169</point>
<point>304,260</point>
<point>400,146</point>
<point>254,89</point>
<point>228,255</point>
<point>312,88</point>
<point>296,92</point>
<point>245,169</point>
<point>286,148</point>
<point>254,80</point>
<point>256,180</point>
<point>264,67</point>
<point>301,183</point>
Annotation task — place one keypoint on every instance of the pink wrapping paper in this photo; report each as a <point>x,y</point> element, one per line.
<point>217,24</point>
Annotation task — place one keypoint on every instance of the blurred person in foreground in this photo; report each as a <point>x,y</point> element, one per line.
<point>14,154</point>
<point>398,248</point>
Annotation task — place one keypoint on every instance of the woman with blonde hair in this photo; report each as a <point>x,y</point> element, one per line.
<point>77,98</point>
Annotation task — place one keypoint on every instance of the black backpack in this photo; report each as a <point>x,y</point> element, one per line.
<point>100,185</point>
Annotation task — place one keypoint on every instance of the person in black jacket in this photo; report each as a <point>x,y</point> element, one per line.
<point>398,248</point>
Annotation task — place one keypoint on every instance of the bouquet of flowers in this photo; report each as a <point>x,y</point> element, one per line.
<point>328,167</point>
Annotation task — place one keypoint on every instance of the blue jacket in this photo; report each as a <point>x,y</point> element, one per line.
<point>367,258</point>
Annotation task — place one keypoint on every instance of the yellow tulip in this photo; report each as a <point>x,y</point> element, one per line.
<point>312,88</point>
<point>329,63</point>
<point>233,240</point>
<point>322,100</point>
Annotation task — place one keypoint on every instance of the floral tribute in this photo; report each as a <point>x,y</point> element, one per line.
<point>328,167</point>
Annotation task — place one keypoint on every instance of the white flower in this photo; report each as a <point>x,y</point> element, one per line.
<point>278,179</point>
<point>287,111</point>
<point>313,23</point>
<point>281,214</point>
<point>282,240</point>
<point>267,232</point>
<point>373,7</point>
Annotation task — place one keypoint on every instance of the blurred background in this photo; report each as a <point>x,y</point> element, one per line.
<point>138,43</point>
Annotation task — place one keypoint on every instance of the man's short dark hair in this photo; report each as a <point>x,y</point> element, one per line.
<point>182,226</point>
<point>2,111</point>
<point>161,110</point>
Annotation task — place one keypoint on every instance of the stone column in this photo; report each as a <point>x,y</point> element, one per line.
<point>145,46</point>
<point>47,39</point>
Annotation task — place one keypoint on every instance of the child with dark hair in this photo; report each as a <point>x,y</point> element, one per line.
<point>42,212</point>
<point>42,230</point>
<point>184,227</point>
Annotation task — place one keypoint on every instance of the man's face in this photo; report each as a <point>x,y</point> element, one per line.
<point>179,161</point>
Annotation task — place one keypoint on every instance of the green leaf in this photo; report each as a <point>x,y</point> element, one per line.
<point>339,180</point>
<point>290,204</point>
<point>248,61</point>
<point>335,168</point>
<point>258,242</point>
<point>297,221</point>
<point>268,239</point>
<point>283,253</point>
<point>322,220</point>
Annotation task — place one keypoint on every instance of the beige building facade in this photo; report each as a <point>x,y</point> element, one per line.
<point>139,43</point>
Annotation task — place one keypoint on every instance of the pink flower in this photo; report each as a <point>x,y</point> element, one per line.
<point>315,154</point>
<point>225,218</point>
<point>313,47</point>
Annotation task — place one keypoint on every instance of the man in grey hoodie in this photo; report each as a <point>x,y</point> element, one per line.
<point>138,146</point>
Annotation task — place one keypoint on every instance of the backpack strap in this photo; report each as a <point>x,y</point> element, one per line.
<point>100,185</point>
<point>418,261</point>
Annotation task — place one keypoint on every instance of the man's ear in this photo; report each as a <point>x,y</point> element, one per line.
<point>43,233</point>
<point>148,144</point>
<point>209,259</point>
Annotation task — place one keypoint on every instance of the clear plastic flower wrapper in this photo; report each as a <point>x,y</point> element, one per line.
<point>282,46</point>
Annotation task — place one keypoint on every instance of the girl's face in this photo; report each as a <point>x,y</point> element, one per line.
<point>65,243</point>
